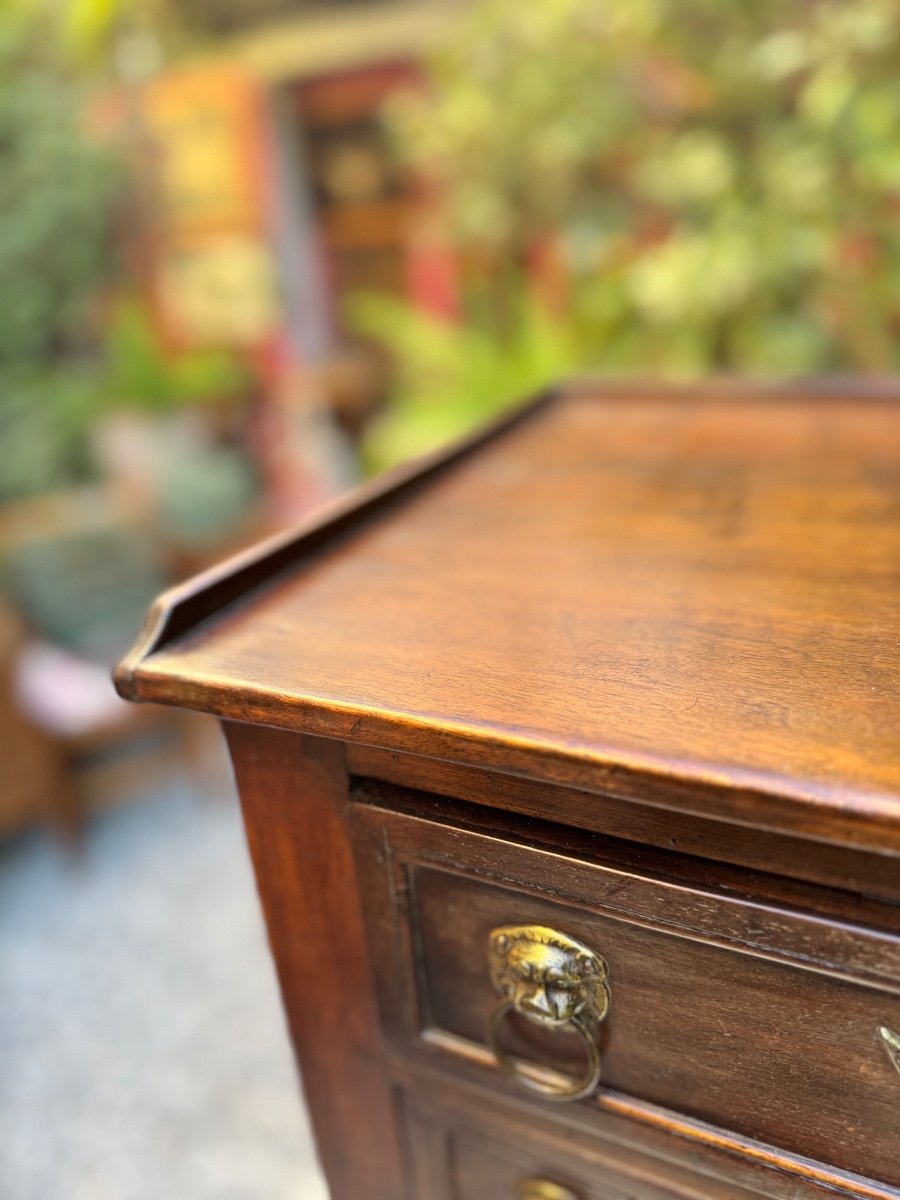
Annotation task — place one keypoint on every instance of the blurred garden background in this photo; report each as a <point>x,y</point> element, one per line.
<point>252,251</point>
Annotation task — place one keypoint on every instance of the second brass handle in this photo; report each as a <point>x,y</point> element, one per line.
<point>543,1189</point>
<point>556,982</point>
<point>891,1042</point>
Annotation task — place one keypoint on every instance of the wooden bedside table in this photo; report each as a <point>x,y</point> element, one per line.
<point>571,771</point>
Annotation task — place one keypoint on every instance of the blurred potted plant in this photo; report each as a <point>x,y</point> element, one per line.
<point>167,426</point>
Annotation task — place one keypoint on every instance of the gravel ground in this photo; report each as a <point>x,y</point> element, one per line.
<point>143,1051</point>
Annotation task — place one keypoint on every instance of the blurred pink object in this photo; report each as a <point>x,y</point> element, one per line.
<point>64,694</point>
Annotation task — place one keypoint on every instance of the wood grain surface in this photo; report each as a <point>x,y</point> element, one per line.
<point>859,872</point>
<point>691,603</point>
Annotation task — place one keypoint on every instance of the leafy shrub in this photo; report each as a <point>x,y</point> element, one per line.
<point>58,193</point>
<point>722,181</point>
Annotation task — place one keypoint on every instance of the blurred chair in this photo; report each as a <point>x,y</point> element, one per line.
<point>79,572</point>
<point>34,781</point>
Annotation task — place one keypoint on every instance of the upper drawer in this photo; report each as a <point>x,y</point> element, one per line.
<point>711,1007</point>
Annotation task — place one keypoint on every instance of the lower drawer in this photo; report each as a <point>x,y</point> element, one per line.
<point>750,1023</point>
<point>459,1149</point>
<point>450,1164</point>
<point>483,1170</point>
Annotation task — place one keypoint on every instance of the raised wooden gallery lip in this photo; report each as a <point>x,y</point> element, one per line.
<point>687,597</point>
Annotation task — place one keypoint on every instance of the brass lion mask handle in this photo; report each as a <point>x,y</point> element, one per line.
<point>556,982</point>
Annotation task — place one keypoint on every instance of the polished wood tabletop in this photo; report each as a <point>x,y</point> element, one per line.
<point>693,597</point>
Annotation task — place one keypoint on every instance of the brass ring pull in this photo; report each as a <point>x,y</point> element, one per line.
<point>553,981</point>
<point>576,1090</point>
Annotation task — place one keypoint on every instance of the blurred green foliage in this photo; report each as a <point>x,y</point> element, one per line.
<point>58,194</point>
<point>722,182</point>
<point>103,38</point>
<point>45,415</point>
<point>449,377</point>
<point>66,357</point>
<point>139,373</point>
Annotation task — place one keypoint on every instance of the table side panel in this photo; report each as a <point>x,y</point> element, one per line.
<point>294,795</point>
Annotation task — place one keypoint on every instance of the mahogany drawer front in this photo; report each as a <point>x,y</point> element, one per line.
<point>736,1014</point>
<point>453,1164</point>
<point>454,1159</point>
<point>465,1145</point>
<point>484,1170</point>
